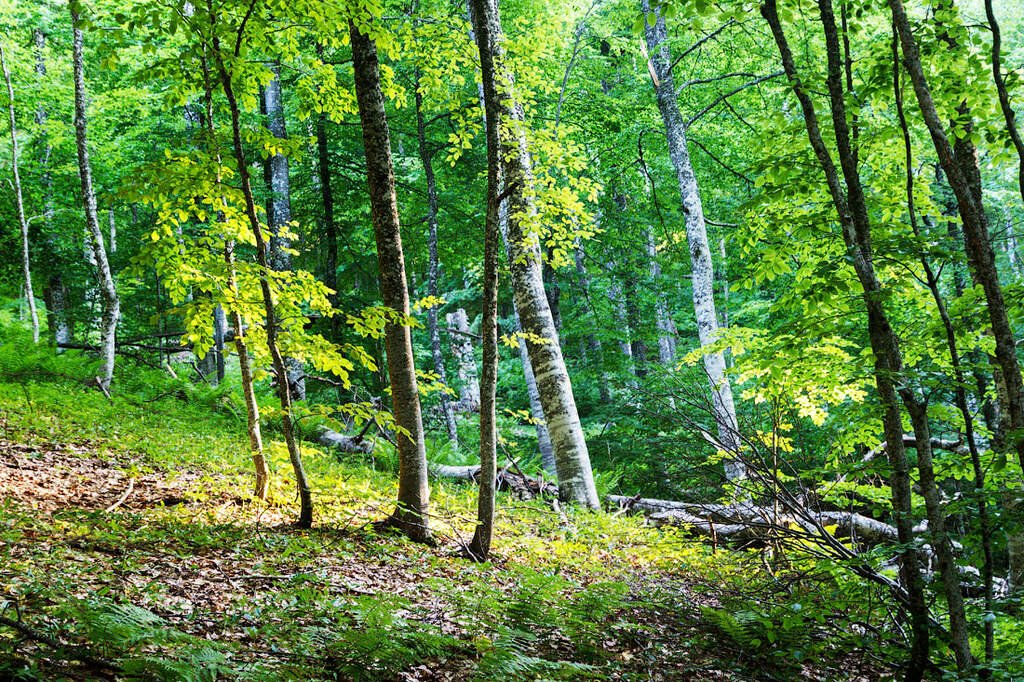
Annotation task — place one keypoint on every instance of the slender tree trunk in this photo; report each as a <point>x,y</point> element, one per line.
<point>462,349</point>
<point>330,227</point>
<point>980,256</point>
<point>252,409</point>
<point>662,317</point>
<point>480,546</point>
<point>703,282</point>
<point>434,272</point>
<point>575,477</point>
<point>287,427</point>
<point>593,343</point>
<point>20,204</point>
<point>279,209</point>
<point>887,361</point>
<point>960,379</point>
<point>55,293</point>
<point>108,292</point>
<point>1004,96</point>
<point>413,491</point>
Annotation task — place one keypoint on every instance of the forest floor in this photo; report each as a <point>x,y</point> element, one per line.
<point>129,549</point>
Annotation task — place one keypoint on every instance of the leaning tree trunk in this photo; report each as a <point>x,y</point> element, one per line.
<point>287,427</point>
<point>55,293</point>
<point>703,276</point>
<point>413,490</point>
<point>888,363</point>
<point>959,171</point>
<point>20,204</point>
<point>1004,97</point>
<point>261,487</point>
<point>108,292</point>
<point>434,271</point>
<point>279,209</point>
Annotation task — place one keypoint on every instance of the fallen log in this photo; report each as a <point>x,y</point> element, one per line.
<point>342,443</point>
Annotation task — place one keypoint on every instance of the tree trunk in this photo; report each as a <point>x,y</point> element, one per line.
<point>413,490</point>
<point>547,452</point>
<point>287,427</point>
<point>888,363</point>
<point>434,272</point>
<point>330,227</point>
<point>480,546</point>
<point>959,378</point>
<point>26,265</point>
<point>575,477</point>
<point>252,408</point>
<point>279,209</point>
<point>1004,97</point>
<point>703,276</point>
<point>662,317</point>
<point>108,292</point>
<point>462,349</point>
<point>961,170</point>
<point>261,486</point>
<point>593,343</point>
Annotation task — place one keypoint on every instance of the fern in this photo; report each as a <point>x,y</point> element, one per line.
<point>510,656</point>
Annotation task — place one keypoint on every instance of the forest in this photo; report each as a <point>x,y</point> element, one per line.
<point>511,340</point>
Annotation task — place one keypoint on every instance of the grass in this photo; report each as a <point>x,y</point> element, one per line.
<point>190,579</point>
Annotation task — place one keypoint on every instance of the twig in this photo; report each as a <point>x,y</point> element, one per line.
<point>124,496</point>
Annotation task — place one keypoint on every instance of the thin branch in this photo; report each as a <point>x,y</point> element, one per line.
<point>721,98</point>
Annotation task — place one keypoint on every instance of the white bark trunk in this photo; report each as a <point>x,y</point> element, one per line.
<point>575,477</point>
<point>465,358</point>
<point>279,210</point>
<point>20,204</point>
<point>108,292</point>
<point>703,281</point>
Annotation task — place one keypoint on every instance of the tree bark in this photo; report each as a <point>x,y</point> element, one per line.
<point>547,452</point>
<point>413,490</point>
<point>305,519</point>
<point>434,271</point>
<point>26,263</point>
<point>959,377</point>
<point>330,226</point>
<point>961,170</point>
<point>662,317</point>
<point>575,477</point>
<point>480,546</point>
<point>703,276</point>
<point>279,209</point>
<point>108,292</point>
<point>462,349</point>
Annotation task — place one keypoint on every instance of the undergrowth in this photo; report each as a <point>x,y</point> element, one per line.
<point>219,586</point>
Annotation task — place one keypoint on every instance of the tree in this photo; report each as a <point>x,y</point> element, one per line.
<point>20,202</point>
<point>413,491</point>
<point>572,460</point>
<point>279,207</point>
<point>305,519</point>
<point>108,292</point>
<point>703,275</point>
